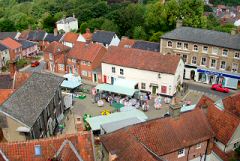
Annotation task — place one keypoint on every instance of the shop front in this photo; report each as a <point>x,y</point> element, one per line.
<point>211,76</point>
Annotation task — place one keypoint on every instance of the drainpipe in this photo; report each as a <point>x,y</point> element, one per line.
<point>205,157</point>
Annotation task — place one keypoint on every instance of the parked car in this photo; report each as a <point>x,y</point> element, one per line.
<point>35,64</point>
<point>220,88</point>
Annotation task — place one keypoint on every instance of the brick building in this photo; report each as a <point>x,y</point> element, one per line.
<point>174,138</point>
<point>209,56</point>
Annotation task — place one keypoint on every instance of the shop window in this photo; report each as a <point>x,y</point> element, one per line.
<point>215,50</point>
<point>234,67</point>
<point>225,52</point>
<point>195,48</point>
<point>185,46</point>
<point>179,45</point>
<point>223,65</point>
<point>143,85</point>
<point>194,60</point>
<point>121,72</point>
<point>181,153</point>
<point>163,89</point>
<point>237,55</point>
<point>184,57</point>
<point>198,146</point>
<point>204,61</point>
<point>113,70</point>
<point>213,63</point>
<point>205,49</point>
<point>169,43</point>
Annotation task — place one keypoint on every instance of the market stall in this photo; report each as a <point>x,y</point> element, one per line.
<point>71,81</point>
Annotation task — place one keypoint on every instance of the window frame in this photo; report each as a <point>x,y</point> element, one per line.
<point>215,64</point>
<point>171,44</point>
<point>177,45</point>
<point>114,71</point>
<point>195,60</point>
<point>236,67</point>
<point>143,85</point>
<point>184,58</point>
<point>202,61</point>
<point>198,146</point>
<point>194,47</point>
<point>203,49</point>
<point>226,52</point>
<point>221,65</point>
<point>121,71</point>
<point>236,54</point>
<point>181,153</point>
<point>186,47</point>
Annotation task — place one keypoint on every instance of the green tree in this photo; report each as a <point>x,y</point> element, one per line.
<point>109,26</point>
<point>22,21</point>
<point>156,36</point>
<point>95,23</point>
<point>83,27</point>
<point>48,22</point>
<point>7,25</point>
<point>139,33</point>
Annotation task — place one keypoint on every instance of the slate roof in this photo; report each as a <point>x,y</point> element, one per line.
<point>28,101</point>
<point>204,36</point>
<point>146,45</point>
<point>141,59</point>
<point>68,147</point>
<point>5,81</point>
<point>86,52</point>
<point>104,37</point>
<point>66,20</point>
<point>37,35</point>
<point>2,47</point>
<point>162,136</point>
<point>26,44</point>
<point>52,37</point>
<point>4,35</point>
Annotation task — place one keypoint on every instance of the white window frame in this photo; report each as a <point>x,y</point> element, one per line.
<point>171,44</point>
<point>225,50</point>
<point>186,58</point>
<point>198,146</point>
<point>203,50</point>
<point>195,60</point>
<point>194,47</point>
<point>177,45</point>
<point>143,85</point>
<point>215,64</point>
<point>202,61</point>
<point>235,70</point>
<point>181,153</point>
<point>121,71</point>
<point>113,69</point>
<point>215,49</point>
<point>221,65</point>
<point>185,47</point>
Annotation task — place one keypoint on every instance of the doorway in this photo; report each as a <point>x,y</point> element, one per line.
<point>154,89</point>
<point>192,74</point>
<point>95,77</point>
<point>112,80</point>
<point>105,79</point>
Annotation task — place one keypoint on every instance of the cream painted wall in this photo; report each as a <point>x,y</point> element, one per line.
<point>143,76</point>
<point>115,41</point>
<point>10,133</point>
<point>67,27</point>
<point>235,138</point>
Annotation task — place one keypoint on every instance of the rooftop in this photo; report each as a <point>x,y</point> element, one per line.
<point>4,94</point>
<point>66,20</point>
<point>71,37</point>
<point>146,45</point>
<point>2,47</point>
<point>26,44</point>
<point>203,36</point>
<point>10,43</point>
<point>52,37</point>
<point>56,47</point>
<point>36,35</point>
<point>4,35</point>
<point>29,100</point>
<point>6,81</point>
<point>142,59</point>
<point>174,135</point>
<point>104,37</point>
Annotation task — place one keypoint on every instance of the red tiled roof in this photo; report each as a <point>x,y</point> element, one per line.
<point>71,37</point>
<point>20,78</point>
<point>142,59</point>
<point>10,43</point>
<point>126,41</point>
<point>86,52</point>
<point>204,102</point>
<point>232,104</point>
<point>56,47</point>
<point>4,94</point>
<point>24,151</point>
<point>162,136</point>
<point>60,59</point>
<point>223,123</point>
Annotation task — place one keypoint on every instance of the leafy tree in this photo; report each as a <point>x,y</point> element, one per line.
<point>207,8</point>
<point>48,22</point>
<point>95,23</point>
<point>7,25</point>
<point>83,27</point>
<point>22,21</point>
<point>109,26</point>
<point>156,36</point>
<point>139,33</point>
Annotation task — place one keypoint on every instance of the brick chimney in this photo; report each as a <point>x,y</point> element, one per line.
<point>174,109</point>
<point>179,23</point>
<point>12,68</point>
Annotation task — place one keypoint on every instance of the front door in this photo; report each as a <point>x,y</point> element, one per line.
<point>112,80</point>
<point>95,77</point>
<point>154,89</point>
<point>105,79</point>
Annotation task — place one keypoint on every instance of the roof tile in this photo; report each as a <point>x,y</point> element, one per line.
<point>10,43</point>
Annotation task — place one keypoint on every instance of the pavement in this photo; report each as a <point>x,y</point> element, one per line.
<point>39,68</point>
<point>205,89</point>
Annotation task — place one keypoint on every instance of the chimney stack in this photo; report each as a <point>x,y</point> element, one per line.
<point>174,109</point>
<point>55,31</point>
<point>179,23</point>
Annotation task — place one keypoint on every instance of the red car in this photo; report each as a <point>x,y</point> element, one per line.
<point>220,88</point>
<point>35,64</point>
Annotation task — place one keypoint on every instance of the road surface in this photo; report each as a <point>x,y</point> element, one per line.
<point>39,68</point>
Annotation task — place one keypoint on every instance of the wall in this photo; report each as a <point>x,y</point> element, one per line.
<point>10,133</point>
<point>141,76</point>
<point>68,26</point>
<point>199,54</point>
<point>4,54</point>
<point>192,154</point>
<point>30,51</point>
<point>115,41</point>
<point>235,138</point>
